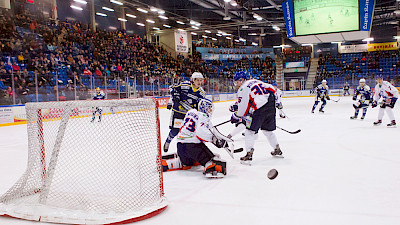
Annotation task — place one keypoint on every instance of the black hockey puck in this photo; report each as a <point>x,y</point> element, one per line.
<point>272,174</point>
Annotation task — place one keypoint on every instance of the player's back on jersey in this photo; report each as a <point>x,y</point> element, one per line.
<point>253,94</point>
<point>195,128</point>
<point>187,94</point>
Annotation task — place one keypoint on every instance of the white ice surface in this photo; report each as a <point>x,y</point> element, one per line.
<point>336,171</point>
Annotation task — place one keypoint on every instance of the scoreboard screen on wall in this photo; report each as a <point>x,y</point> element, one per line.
<point>325,16</point>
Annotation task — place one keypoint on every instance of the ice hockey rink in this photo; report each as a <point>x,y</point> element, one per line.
<point>335,171</point>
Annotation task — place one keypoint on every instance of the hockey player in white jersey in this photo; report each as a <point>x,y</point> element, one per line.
<point>278,100</point>
<point>99,95</point>
<point>195,130</point>
<point>386,96</point>
<point>256,106</point>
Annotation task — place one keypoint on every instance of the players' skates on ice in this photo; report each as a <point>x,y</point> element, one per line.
<point>362,117</point>
<point>277,152</point>
<point>392,124</point>
<point>354,117</point>
<point>377,123</point>
<point>215,169</point>
<point>321,111</point>
<point>247,158</point>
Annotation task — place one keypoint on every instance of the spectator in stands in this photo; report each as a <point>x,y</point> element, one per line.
<point>86,71</point>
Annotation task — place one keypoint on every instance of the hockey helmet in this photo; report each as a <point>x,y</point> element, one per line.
<point>379,76</point>
<point>240,75</point>
<point>206,106</point>
<point>196,75</point>
<point>362,80</point>
<point>323,82</point>
<point>97,89</point>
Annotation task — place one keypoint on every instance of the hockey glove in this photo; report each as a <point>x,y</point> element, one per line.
<point>233,108</point>
<point>176,98</point>
<point>279,106</point>
<point>219,143</point>
<point>354,97</point>
<point>374,104</point>
<point>328,98</point>
<point>392,102</point>
<point>235,118</point>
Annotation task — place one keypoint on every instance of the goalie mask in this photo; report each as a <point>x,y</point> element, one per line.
<point>206,106</point>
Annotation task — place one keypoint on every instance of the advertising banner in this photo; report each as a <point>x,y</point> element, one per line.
<point>241,50</point>
<point>366,14</point>
<point>382,46</point>
<point>211,56</point>
<point>294,64</point>
<point>181,41</point>
<point>6,115</point>
<point>353,48</point>
<point>287,8</point>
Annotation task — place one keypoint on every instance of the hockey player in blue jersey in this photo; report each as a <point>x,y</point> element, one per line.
<point>99,95</point>
<point>185,96</point>
<point>321,93</point>
<point>364,91</point>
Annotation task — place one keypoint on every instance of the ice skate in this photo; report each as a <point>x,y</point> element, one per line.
<point>246,160</point>
<point>277,152</point>
<point>377,123</point>
<point>321,111</point>
<point>392,124</point>
<point>362,117</point>
<point>354,117</point>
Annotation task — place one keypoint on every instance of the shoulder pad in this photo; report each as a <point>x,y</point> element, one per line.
<point>367,88</point>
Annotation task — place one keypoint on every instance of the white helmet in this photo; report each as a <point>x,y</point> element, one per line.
<point>196,75</point>
<point>362,80</point>
<point>324,81</point>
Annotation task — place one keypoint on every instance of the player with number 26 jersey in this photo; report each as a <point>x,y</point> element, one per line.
<point>252,95</point>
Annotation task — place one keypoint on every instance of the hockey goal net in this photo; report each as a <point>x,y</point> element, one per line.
<point>83,172</point>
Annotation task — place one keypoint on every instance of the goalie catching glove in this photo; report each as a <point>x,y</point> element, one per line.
<point>219,143</point>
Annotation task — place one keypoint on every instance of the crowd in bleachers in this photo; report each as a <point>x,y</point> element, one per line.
<point>39,52</point>
<point>354,66</point>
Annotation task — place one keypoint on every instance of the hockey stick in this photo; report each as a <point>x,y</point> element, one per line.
<point>222,123</point>
<point>290,132</point>
<point>218,134</point>
<point>335,100</point>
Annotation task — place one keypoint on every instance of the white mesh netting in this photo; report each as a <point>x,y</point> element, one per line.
<point>89,172</point>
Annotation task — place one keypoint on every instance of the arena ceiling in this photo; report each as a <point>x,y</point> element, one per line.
<point>250,18</point>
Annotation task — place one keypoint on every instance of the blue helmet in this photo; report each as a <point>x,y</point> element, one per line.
<point>239,75</point>
<point>206,106</point>
<point>379,76</point>
<point>274,84</point>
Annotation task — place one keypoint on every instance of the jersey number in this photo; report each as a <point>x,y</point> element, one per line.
<point>191,125</point>
<point>259,89</point>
